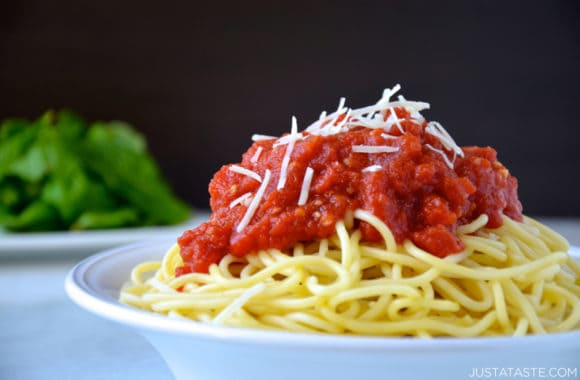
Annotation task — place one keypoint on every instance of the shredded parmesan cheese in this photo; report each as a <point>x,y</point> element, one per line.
<point>329,128</point>
<point>437,130</point>
<point>369,116</point>
<point>344,120</point>
<point>376,122</point>
<point>254,204</point>
<point>305,190</point>
<point>246,172</point>
<point>242,199</point>
<point>394,120</point>
<point>374,149</point>
<point>286,139</point>
<point>286,159</point>
<point>387,93</point>
<point>372,169</point>
<point>256,155</point>
<point>442,154</point>
<point>411,105</point>
<point>256,137</point>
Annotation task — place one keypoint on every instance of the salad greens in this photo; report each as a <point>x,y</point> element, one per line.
<point>59,172</point>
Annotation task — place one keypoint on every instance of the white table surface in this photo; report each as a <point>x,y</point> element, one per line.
<point>43,335</point>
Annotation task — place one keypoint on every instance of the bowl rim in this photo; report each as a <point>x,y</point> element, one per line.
<point>97,302</point>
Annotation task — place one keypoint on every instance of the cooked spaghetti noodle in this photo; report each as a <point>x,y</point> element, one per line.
<point>513,280</point>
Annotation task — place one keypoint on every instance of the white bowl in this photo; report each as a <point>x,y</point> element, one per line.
<point>195,350</point>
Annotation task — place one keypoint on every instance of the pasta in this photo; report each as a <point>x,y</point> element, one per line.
<point>371,221</point>
<point>513,280</point>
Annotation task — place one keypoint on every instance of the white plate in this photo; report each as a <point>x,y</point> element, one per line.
<point>71,243</point>
<point>201,351</point>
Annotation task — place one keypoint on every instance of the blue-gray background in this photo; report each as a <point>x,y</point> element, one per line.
<point>198,79</point>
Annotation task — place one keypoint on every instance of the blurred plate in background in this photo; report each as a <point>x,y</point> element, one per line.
<point>63,244</point>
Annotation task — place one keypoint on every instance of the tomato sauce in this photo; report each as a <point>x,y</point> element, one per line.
<point>415,193</point>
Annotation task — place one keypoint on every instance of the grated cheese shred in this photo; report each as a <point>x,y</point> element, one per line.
<point>442,154</point>
<point>394,120</point>
<point>374,149</point>
<point>257,137</point>
<point>256,155</point>
<point>437,130</point>
<point>305,189</point>
<point>247,172</point>
<point>242,199</point>
<point>372,169</point>
<point>254,203</point>
<point>287,154</point>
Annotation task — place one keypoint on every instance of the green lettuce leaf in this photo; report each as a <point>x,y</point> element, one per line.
<point>58,172</point>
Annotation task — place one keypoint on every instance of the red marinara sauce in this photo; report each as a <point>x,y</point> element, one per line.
<point>415,192</point>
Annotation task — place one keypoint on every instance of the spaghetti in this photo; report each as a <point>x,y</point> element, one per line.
<point>370,221</point>
<point>513,280</point>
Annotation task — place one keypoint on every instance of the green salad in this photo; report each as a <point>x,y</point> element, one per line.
<point>60,172</point>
